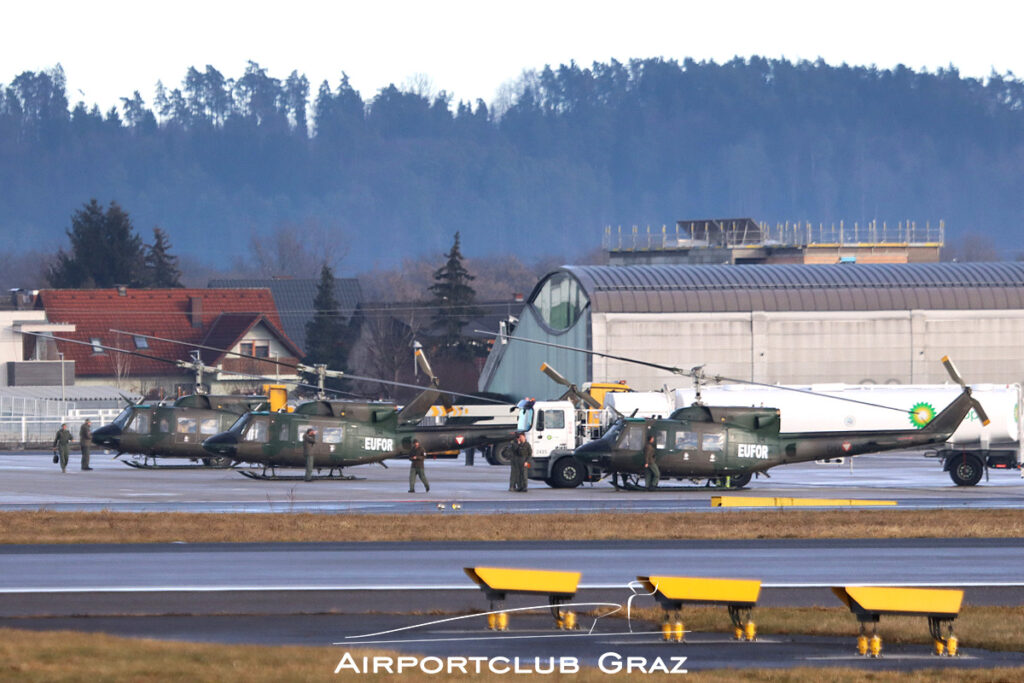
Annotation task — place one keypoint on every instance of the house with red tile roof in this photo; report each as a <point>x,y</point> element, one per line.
<point>213,324</point>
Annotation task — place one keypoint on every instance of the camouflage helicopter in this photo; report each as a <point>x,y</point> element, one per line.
<point>349,433</point>
<point>727,445</point>
<point>150,430</point>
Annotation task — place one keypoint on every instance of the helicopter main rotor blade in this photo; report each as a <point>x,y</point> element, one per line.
<point>696,372</point>
<point>557,377</point>
<point>296,366</point>
<point>554,375</point>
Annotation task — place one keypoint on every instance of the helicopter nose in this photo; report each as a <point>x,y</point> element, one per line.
<point>595,452</point>
<point>108,435</point>
<point>224,443</point>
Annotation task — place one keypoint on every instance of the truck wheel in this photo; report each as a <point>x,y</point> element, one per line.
<point>567,473</point>
<point>499,454</point>
<point>965,470</point>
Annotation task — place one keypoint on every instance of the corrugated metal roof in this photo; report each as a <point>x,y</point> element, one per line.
<point>890,286</point>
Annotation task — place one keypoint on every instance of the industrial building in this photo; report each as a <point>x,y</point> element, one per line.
<point>785,324</point>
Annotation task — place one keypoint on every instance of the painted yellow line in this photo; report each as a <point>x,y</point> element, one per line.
<point>754,501</point>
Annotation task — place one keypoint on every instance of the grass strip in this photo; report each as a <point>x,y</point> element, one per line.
<point>978,627</point>
<point>45,526</point>
<point>32,656</point>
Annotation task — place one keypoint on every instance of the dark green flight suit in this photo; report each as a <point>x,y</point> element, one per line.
<point>85,440</point>
<point>62,442</point>
<point>522,455</point>
<point>308,444</point>
<point>651,472</point>
<point>416,458</point>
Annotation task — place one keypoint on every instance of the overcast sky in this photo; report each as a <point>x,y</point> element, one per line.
<point>110,48</point>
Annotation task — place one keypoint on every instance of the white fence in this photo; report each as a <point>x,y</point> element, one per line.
<point>40,429</point>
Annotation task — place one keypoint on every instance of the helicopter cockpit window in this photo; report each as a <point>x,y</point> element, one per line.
<point>209,425</point>
<point>560,301</point>
<point>713,442</point>
<point>686,440</point>
<point>122,418</point>
<point>633,439</point>
<point>333,434</point>
<point>186,425</point>
<point>139,424</point>
<point>257,431</point>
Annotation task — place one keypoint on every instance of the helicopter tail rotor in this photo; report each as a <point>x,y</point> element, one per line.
<point>956,377</point>
<point>424,365</point>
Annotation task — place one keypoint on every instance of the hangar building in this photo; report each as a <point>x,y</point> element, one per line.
<point>785,324</point>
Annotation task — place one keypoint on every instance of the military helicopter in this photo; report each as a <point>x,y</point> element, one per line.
<point>349,433</point>
<point>151,430</point>
<point>728,445</point>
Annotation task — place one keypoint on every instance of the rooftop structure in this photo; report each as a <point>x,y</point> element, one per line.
<point>742,240</point>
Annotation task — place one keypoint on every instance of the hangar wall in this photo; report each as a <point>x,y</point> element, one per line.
<point>517,370</point>
<point>897,347</point>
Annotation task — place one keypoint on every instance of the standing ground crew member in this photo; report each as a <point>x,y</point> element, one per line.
<point>85,439</point>
<point>308,443</point>
<point>522,456</point>
<point>62,443</point>
<point>416,458</point>
<point>651,472</point>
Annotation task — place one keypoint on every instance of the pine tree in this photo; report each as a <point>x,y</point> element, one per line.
<point>453,296</point>
<point>161,266</point>
<point>326,334</point>
<point>105,251</point>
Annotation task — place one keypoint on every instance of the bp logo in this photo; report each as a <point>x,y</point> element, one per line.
<point>921,414</point>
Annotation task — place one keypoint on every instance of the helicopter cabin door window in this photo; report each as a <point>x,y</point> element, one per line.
<point>713,442</point>
<point>257,431</point>
<point>333,434</point>
<point>633,439</point>
<point>209,426</point>
<point>139,424</point>
<point>186,425</point>
<point>660,438</point>
<point>686,441</point>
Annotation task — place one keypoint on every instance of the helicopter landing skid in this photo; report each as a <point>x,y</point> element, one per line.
<point>633,482</point>
<point>263,476</point>
<point>147,465</point>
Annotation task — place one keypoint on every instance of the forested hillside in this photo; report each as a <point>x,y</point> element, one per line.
<point>565,152</point>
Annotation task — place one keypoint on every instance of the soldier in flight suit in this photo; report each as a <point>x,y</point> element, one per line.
<point>416,458</point>
<point>85,441</point>
<point>522,455</point>
<point>62,443</point>
<point>651,472</point>
<point>308,443</point>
